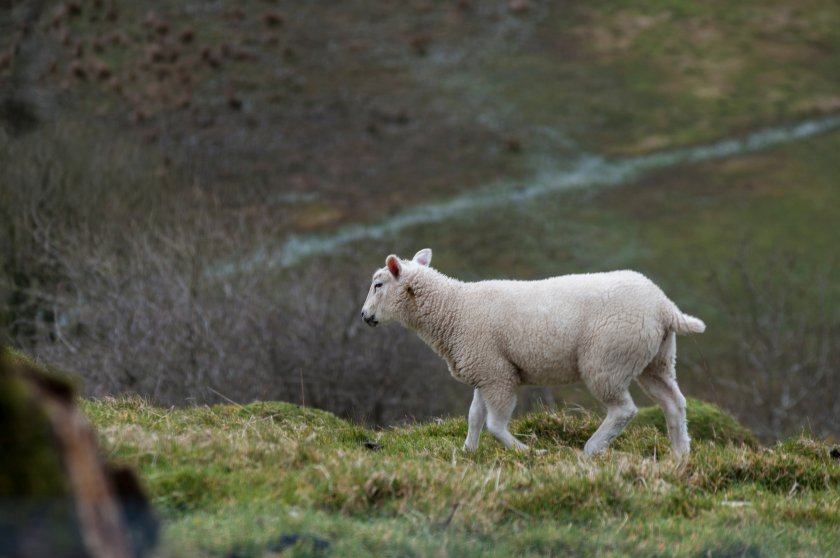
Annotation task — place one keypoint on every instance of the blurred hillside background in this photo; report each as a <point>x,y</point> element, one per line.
<point>193,195</point>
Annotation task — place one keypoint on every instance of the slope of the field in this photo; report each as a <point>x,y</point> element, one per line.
<point>268,477</point>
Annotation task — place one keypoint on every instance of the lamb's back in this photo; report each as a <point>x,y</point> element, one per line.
<point>586,290</point>
<point>540,325</point>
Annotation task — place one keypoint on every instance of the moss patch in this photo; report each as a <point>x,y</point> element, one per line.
<point>706,422</point>
<point>31,465</point>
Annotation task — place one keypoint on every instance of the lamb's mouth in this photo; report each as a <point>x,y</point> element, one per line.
<point>371,321</point>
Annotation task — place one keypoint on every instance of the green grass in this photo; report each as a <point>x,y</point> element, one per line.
<point>236,480</point>
<point>632,77</point>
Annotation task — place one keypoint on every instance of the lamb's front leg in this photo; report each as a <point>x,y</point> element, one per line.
<point>478,414</point>
<point>500,401</point>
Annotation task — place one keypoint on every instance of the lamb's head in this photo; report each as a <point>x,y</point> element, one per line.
<point>388,288</point>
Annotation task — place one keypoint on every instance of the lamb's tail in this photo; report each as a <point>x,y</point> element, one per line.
<point>683,323</point>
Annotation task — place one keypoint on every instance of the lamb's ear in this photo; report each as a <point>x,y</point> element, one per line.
<point>423,257</point>
<point>394,265</point>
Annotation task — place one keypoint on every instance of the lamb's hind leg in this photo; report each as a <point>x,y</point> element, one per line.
<point>477,416</point>
<point>659,380</point>
<point>500,401</point>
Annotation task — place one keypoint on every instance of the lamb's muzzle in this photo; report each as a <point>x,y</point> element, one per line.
<point>370,320</point>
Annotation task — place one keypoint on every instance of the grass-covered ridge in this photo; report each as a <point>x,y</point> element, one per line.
<point>260,478</point>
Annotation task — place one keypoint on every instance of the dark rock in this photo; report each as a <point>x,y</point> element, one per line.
<point>288,540</point>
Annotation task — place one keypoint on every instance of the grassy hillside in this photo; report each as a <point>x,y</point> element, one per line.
<point>265,478</point>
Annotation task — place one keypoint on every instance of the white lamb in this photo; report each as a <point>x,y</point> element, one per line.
<point>606,329</point>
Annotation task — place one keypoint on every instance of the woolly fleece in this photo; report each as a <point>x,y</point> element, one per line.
<point>605,329</point>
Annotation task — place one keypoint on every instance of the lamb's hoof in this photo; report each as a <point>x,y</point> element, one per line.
<point>468,449</point>
<point>540,451</point>
<point>680,456</point>
<point>681,452</point>
<point>591,450</point>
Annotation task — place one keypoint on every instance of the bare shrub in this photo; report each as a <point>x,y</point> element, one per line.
<point>51,183</point>
<point>105,273</point>
<point>155,323</point>
<point>787,366</point>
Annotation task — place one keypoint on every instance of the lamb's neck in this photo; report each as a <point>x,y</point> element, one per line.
<point>435,302</point>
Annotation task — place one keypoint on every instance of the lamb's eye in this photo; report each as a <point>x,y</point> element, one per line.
<point>376,286</point>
